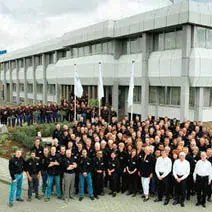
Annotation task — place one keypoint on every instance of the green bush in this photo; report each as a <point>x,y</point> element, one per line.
<point>3,151</point>
<point>26,134</point>
<point>14,148</point>
<point>4,138</point>
<point>93,103</point>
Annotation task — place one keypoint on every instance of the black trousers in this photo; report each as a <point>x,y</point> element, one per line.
<point>209,191</point>
<point>180,191</point>
<point>190,185</point>
<point>202,188</point>
<point>98,183</point>
<point>113,181</point>
<point>132,182</point>
<point>33,185</point>
<point>122,181</point>
<point>163,187</point>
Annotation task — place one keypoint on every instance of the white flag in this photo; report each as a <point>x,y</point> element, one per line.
<point>78,90</point>
<point>100,84</point>
<point>131,86</point>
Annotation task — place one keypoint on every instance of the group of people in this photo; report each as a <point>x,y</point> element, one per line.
<point>158,157</point>
<point>49,113</point>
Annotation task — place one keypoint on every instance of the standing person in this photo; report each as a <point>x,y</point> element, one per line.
<point>33,171</point>
<point>146,167</point>
<point>37,148</point>
<point>53,171</point>
<point>16,168</point>
<point>162,169</point>
<point>57,133</point>
<point>181,170</point>
<point>44,167</point>
<point>85,168</point>
<point>112,169</point>
<point>209,157</point>
<point>132,170</point>
<point>69,175</point>
<point>99,173</point>
<point>202,178</point>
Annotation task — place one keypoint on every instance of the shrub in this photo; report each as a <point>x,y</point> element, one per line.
<point>3,151</point>
<point>14,148</point>
<point>4,138</point>
<point>93,103</point>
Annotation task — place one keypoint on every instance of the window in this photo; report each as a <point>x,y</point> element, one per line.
<point>29,88</point>
<point>14,87</point>
<point>124,47</point>
<point>155,42</point>
<point>39,88</point>
<point>170,40</point>
<point>51,58</point>
<point>157,95</point>
<point>38,60</point>
<point>62,54</point>
<point>192,92</point>
<point>201,37</point>
<point>51,89</point>
<point>86,50</point>
<point>21,63</point>
<point>13,64</point>
<point>173,95</point>
<point>75,52</point>
<point>209,38</point>
<point>137,94</point>
<point>21,87</point>
<point>81,52</point>
<point>29,61</point>
<point>207,97</point>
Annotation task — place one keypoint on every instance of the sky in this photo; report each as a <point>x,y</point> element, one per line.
<point>27,22</point>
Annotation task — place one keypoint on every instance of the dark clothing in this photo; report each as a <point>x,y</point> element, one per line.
<point>54,170</point>
<point>57,134</point>
<point>38,151</point>
<point>33,166</point>
<point>85,165</point>
<point>16,166</point>
<point>202,188</point>
<point>44,163</point>
<point>68,162</point>
<point>146,165</point>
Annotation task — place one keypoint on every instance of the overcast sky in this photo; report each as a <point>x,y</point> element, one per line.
<point>25,22</point>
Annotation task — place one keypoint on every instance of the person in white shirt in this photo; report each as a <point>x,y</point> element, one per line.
<point>163,168</point>
<point>202,177</point>
<point>181,170</point>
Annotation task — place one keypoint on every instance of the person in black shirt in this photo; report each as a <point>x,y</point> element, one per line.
<point>132,171</point>
<point>37,148</point>
<point>99,173</point>
<point>69,175</point>
<point>53,170</point>
<point>146,167</point>
<point>33,171</point>
<point>16,168</point>
<point>112,169</point>
<point>85,168</point>
<point>44,167</point>
<point>57,133</point>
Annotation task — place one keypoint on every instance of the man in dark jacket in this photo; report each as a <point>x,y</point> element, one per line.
<point>16,168</point>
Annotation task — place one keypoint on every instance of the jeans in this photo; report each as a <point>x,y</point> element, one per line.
<point>33,185</point>
<point>44,181</point>
<point>49,186</point>
<point>16,187</point>
<point>89,183</point>
<point>20,119</point>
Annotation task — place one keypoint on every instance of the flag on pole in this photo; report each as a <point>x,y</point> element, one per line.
<point>131,86</point>
<point>78,90</point>
<point>100,84</point>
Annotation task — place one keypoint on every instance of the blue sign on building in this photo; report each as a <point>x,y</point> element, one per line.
<point>3,52</point>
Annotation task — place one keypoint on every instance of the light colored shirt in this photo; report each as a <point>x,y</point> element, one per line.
<point>203,169</point>
<point>163,165</point>
<point>181,168</point>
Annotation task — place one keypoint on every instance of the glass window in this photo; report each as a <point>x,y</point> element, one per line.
<point>81,52</point>
<point>161,42</point>
<point>179,38</point>
<point>51,89</point>
<point>86,50</point>
<point>173,95</point>
<point>137,94</point>
<point>207,97</point>
<point>192,92</point>
<point>209,38</point>
<point>99,48</point>
<point>39,88</point>
<point>75,52</point>
<point>105,48</point>
<point>201,37</point>
<point>155,42</point>
<point>29,88</point>
<point>14,86</point>
<point>21,87</point>
<point>170,40</point>
<point>51,58</point>
<point>133,46</point>
<point>152,95</point>
<point>124,47</point>
<point>161,93</point>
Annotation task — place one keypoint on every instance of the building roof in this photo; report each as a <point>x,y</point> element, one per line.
<point>180,13</point>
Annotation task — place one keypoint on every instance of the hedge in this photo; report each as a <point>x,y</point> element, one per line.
<point>25,134</point>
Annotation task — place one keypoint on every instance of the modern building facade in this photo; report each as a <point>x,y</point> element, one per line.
<point>172,49</point>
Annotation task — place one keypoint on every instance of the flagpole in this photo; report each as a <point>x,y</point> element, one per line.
<point>133,62</point>
<point>75,98</point>
<point>99,98</point>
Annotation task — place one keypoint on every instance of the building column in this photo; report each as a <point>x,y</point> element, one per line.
<point>17,83</point>
<point>67,92</point>
<point>25,82</point>
<point>115,95</point>
<point>146,49</point>
<point>34,80</point>
<point>55,57</point>
<point>199,104</point>
<point>44,63</point>
<point>184,96</point>
<point>57,92</point>
<point>11,82</point>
